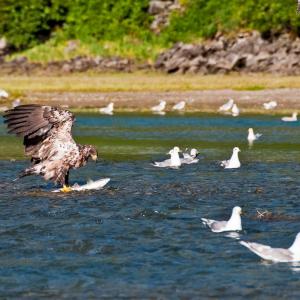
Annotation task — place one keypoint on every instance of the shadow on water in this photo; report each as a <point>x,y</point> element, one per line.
<point>141,236</point>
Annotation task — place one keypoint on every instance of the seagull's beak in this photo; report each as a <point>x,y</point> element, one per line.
<point>94,157</point>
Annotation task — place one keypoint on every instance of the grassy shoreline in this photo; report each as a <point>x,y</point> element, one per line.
<point>137,82</point>
<point>137,92</point>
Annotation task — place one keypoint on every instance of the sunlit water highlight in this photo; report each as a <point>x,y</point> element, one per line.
<point>141,236</point>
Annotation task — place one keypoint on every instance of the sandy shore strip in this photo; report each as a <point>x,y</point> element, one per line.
<point>197,101</point>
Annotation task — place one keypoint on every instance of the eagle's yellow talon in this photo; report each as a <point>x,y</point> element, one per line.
<point>66,189</point>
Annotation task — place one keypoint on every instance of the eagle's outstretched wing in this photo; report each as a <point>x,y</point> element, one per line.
<point>47,139</point>
<point>36,123</point>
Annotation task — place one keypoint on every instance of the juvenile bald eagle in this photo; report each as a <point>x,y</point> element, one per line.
<point>48,141</point>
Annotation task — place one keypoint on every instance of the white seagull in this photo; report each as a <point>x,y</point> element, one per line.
<point>293,118</point>
<point>233,162</point>
<point>227,106</point>
<point>107,110</point>
<point>160,107</point>
<point>270,105</point>
<point>3,94</point>
<point>179,106</point>
<point>235,111</point>
<point>291,254</point>
<point>190,158</point>
<point>173,162</point>
<point>233,224</point>
<point>16,103</point>
<point>253,136</point>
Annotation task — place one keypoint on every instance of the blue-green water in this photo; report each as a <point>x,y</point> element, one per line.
<point>141,236</point>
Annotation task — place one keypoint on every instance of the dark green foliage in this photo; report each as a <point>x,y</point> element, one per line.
<point>203,18</point>
<point>107,19</point>
<point>28,22</point>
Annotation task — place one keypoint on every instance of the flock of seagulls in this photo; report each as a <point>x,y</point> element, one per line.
<point>230,107</point>
<point>158,109</point>
<point>291,254</point>
<point>234,223</point>
<point>175,161</point>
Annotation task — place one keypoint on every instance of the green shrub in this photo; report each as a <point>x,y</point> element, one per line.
<point>28,22</point>
<point>203,18</point>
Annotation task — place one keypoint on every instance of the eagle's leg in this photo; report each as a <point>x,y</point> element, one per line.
<point>66,188</point>
<point>67,179</point>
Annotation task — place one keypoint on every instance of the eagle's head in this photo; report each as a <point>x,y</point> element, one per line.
<point>90,152</point>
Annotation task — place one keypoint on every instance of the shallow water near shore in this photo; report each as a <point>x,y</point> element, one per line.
<point>141,236</point>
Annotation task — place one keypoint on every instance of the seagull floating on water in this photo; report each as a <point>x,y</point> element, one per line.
<point>233,224</point>
<point>160,107</point>
<point>3,94</point>
<point>253,136</point>
<point>179,106</point>
<point>293,118</point>
<point>173,162</point>
<point>291,254</point>
<point>108,110</point>
<point>190,158</point>
<point>270,105</point>
<point>235,111</point>
<point>227,106</point>
<point>233,162</point>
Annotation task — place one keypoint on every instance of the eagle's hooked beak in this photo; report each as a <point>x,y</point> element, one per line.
<point>94,157</point>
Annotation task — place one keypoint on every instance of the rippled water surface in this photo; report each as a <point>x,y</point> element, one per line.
<point>141,236</point>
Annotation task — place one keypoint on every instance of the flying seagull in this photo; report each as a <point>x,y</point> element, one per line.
<point>233,224</point>
<point>48,141</point>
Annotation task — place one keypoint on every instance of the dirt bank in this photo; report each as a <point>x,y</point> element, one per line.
<point>202,101</point>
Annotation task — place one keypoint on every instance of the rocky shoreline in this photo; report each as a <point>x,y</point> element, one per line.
<point>247,52</point>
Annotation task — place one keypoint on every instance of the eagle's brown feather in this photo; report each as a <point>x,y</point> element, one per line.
<point>48,140</point>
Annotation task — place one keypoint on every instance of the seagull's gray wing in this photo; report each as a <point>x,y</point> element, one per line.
<point>269,253</point>
<point>218,225</point>
<point>163,164</point>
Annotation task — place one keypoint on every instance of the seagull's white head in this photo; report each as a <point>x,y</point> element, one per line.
<point>250,130</point>
<point>236,150</point>
<point>162,102</point>
<point>237,210</point>
<point>295,114</point>
<point>176,149</point>
<point>111,105</point>
<point>194,152</point>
